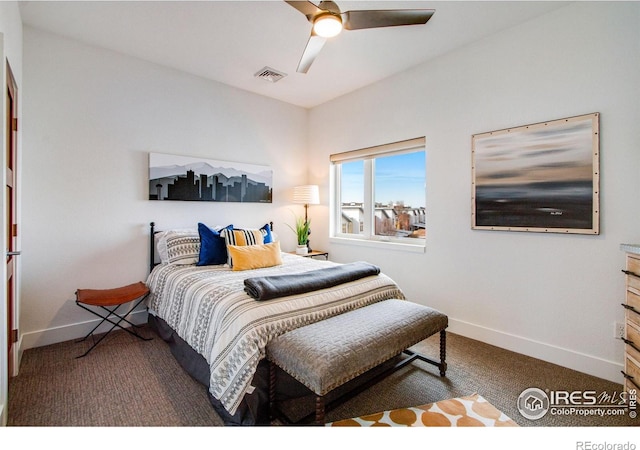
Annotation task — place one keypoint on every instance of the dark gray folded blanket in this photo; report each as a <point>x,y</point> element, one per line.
<point>274,286</point>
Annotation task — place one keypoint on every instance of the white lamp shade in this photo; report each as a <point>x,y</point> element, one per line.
<point>308,194</point>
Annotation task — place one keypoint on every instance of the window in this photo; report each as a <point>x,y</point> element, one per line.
<point>380,193</point>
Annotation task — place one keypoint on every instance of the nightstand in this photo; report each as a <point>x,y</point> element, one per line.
<point>313,254</point>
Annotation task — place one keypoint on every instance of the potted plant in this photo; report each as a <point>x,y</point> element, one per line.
<point>302,234</point>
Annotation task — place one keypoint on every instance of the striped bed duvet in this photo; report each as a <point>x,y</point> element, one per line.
<point>209,309</point>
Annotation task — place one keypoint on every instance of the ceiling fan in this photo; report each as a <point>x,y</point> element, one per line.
<point>328,21</point>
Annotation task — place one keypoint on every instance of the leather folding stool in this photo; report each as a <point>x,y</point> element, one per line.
<point>107,302</point>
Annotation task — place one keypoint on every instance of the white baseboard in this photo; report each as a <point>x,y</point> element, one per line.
<point>589,364</point>
<point>16,368</point>
<point>72,332</point>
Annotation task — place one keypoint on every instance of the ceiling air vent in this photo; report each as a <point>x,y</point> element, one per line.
<point>269,74</point>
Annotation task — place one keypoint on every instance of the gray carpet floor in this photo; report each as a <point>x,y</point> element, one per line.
<point>127,382</point>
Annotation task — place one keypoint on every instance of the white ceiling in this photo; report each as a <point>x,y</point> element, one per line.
<point>229,41</point>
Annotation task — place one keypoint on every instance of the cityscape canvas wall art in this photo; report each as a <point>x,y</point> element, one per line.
<point>173,177</point>
<point>542,177</point>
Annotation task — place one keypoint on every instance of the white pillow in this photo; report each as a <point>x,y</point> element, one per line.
<point>180,246</point>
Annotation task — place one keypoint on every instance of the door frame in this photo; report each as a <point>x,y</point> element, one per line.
<point>4,369</point>
<point>10,219</point>
<point>5,77</point>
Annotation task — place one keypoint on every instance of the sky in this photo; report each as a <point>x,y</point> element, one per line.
<point>397,178</point>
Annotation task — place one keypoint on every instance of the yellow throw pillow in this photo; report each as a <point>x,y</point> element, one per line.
<point>240,237</point>
<point>247,257</point>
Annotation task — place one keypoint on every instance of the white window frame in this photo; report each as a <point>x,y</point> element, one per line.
<point>367,237</point>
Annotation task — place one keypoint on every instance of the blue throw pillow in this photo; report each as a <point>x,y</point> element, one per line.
<point>213,249</point>
<point>266,233</point>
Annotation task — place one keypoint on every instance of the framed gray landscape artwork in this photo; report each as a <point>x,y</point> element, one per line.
<point>173,177</point>
<point>542,177</point>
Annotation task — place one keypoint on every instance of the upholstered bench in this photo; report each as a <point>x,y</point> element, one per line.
<point>331,352</point>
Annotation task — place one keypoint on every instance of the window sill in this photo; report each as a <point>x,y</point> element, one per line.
<point>405,247</point>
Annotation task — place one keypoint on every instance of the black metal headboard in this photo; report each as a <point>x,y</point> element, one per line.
<point>152,244</point>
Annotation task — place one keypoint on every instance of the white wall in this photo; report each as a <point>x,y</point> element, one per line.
<point>546,295</point>
<point>11,51</point>
<point>91,117</point>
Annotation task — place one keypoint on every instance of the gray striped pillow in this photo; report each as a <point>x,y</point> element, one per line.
<point>241,237</point>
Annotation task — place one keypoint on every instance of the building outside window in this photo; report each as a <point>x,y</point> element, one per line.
<point>380,193</point>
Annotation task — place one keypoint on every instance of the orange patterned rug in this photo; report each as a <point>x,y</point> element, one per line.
<point>469,411</point>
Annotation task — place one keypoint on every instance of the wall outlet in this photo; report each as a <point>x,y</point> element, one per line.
<point>618,330</point>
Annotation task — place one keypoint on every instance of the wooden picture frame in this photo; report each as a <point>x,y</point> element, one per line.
<point>543,177</point>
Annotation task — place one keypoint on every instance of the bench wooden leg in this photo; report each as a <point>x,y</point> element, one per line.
<point>272,389</point>
<point>443,353</point>
<point>319,410</point>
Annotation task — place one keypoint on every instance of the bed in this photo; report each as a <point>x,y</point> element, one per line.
<point>218,331</point>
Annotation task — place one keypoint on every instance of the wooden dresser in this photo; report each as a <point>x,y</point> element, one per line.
<point>632,319</point>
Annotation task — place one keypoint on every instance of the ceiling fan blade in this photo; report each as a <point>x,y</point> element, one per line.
<point>358,20</point>
<point>311,51</point>
<point>307,8</point>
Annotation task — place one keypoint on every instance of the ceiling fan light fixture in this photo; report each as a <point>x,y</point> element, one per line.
<point>327,25</point>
